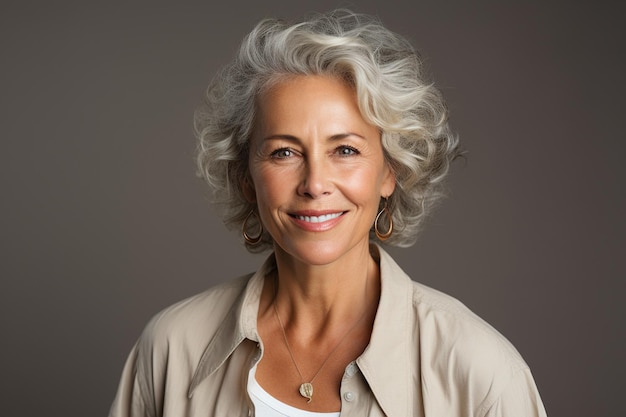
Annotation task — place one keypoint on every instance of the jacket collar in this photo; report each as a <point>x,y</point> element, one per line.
<point>238,324</point>
<point>384,361</point>
<point>389,381</point>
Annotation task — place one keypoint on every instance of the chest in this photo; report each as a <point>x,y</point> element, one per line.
<point>224,393</point>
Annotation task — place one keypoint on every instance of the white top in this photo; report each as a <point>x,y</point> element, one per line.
<point>267,406</point>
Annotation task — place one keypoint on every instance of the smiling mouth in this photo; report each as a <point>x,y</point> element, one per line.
<point>319,219</point>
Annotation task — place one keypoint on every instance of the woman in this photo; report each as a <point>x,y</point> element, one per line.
<point>319,140</point>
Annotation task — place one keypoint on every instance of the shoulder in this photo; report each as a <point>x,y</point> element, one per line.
<point>461,353</point>
<point>462,364</point>
<point>170,346</point>
<point>444,327</point>
<point>451,324</point>
<point>195,318</point>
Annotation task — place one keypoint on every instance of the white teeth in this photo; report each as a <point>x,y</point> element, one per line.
<point>319,219</point>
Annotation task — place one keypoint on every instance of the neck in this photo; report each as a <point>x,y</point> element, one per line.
<point>322,299</point>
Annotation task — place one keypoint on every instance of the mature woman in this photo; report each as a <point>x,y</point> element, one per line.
<point>320,140</point>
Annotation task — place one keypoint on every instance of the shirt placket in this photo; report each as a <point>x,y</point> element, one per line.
<point>356,397</point>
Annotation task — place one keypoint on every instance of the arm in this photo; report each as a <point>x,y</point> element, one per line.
<point>519,398</point>
<point>129,400</point>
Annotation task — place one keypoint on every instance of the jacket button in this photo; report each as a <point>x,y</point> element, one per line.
<point>348,396</point>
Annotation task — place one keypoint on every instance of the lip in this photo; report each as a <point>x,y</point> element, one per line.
<point>315,220</point>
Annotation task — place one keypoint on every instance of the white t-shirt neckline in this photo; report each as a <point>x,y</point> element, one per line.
<point>267,406</point>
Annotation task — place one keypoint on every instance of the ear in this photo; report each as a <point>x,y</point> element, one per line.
<point>247,188</point>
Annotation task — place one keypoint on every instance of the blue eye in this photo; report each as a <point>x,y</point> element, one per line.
<point>347,150</point>
<point>282,153</point>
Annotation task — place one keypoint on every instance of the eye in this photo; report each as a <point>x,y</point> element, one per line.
<point>345,150</point>
<point>282,153</point>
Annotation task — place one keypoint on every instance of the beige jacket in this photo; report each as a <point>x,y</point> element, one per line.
<point>428,356</point>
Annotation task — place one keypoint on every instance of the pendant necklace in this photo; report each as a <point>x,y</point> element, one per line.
<point>306,388</point>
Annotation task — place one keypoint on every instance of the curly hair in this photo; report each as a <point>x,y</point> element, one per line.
<point>392,91</point>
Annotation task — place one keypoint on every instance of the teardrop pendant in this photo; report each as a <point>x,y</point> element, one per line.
<point>306,390</point>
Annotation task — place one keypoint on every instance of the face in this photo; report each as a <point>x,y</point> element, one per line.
<point>317,168</point>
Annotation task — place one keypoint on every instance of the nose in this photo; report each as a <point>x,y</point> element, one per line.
<point>316,178</point>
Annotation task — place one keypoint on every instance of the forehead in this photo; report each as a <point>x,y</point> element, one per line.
<point>299,100</point>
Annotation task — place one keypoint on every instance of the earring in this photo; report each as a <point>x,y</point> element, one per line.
<point>384,210</point>
<point>252,240</point>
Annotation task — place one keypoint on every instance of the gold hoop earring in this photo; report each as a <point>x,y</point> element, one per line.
<point>387,234</point>
<point>252,240</point>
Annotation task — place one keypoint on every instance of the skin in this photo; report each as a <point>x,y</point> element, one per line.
<point>318,173</point>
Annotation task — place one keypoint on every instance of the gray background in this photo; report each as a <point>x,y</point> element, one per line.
<point>104,223</point>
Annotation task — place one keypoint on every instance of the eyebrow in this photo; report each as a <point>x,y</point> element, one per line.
<point>291,138</point>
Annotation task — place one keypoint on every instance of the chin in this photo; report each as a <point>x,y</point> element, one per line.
<point>319,253</point>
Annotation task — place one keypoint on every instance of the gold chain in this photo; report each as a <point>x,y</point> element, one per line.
<point>306,388</point>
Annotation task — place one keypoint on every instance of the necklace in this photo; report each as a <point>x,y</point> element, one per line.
<point>306,388</point>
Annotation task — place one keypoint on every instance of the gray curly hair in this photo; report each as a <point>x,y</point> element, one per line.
<point>392,93</point>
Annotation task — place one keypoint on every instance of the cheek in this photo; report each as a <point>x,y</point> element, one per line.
<point>364,183</point>
<point>271,185</point>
